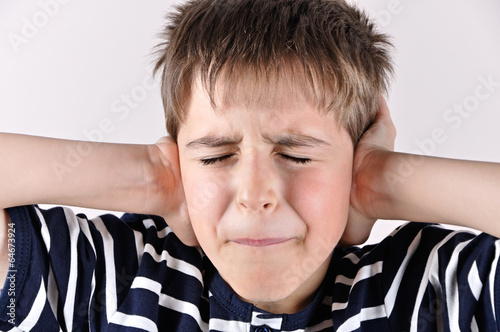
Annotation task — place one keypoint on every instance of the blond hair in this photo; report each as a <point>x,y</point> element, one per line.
<point>327,50</point>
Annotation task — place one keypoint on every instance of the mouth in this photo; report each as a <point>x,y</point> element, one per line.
<point>261,242</point>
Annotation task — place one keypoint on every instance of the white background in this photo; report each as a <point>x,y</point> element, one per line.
<point>65,68</point>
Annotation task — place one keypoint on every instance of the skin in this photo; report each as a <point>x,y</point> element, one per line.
<point>267,222</point>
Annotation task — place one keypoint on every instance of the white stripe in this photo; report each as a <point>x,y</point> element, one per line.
<point>435,282</point>
<point>352,257</point>
<point>228,325</point>
<point>475,283</point>
<point>69,303</point>
<point>139,322</point>
<point>161,234</point>
<point>430,274</point>
<point>390,297</point>
<point>474,327</point>
<point>44,230</point>
<point>365,272</point>
<point>355,259</point>
<point>365,314</point>
<point>109,260</point>
<point>492,276</point>
<point>168,301</point>
<point>183,307</point>
<point>90,309</point>
<point>139,245</point>
<point>146,283</point>
<point>84,226</point>
<point>452,287</point>
<point>52,291</point>
<point>274,323</point>
<point>342,279</point>
<point>36,309</point>
<point>174,263</point>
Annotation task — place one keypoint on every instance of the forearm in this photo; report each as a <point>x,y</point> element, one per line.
<point>429,189</point>
<point>90,174</point>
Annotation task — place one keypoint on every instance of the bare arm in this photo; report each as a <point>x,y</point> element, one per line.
<point>45,170</point>
<point>429,189</point>
<point>400,186</point>
<point>120,177</point>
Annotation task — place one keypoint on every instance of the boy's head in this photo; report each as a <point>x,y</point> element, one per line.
<point>266,99</point>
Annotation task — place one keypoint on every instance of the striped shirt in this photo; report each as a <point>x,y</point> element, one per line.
<point>68,273</point>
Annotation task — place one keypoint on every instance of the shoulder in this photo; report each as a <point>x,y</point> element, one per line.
<point>131,259</point>
<point>413,269</point>
<point>131,235</point>
<point>61,218</point>
<point>415,246</point>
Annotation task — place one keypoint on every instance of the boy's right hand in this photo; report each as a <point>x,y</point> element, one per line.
<point>376,142</point>
<point>166,192</point>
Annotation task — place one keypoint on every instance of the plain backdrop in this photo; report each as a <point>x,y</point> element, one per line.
<point>82,70</point>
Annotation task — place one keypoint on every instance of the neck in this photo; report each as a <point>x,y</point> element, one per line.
<point>299,299</point>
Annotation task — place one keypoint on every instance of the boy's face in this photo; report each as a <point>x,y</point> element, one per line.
<point>267,221</point>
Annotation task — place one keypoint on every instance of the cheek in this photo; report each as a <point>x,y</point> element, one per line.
<point>321,198</point>
<point>205,197</point>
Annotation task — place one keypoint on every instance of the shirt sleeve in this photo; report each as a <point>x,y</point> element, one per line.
<point>422,277</point>
<point>70,273</point>
<point>451,278</point>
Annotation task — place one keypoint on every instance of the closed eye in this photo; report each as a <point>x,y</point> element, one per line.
<point>295,159</point>
<point>212,161</point>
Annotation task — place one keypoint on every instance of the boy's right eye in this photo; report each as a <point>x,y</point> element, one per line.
<point>211,161</point>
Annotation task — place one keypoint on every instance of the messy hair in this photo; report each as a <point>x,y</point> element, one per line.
<point>327,50</point>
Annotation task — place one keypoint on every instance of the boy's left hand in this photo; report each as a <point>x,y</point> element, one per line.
<point>168,199</point>
<point>377,140</point>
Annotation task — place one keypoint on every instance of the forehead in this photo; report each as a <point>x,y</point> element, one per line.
<point>270,115</point>
<point>274,97</point>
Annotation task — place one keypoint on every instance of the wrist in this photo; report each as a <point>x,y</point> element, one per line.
<point>154,185</point>
<point>372,184</point>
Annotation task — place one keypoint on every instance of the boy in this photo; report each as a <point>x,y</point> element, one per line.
<point>265,102</point>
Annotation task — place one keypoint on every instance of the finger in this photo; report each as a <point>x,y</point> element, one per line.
<point>165,139</point>
<point>383,110</point>
<point>384,116</point>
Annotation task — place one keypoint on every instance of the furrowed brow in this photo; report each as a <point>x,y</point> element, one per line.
<point>289,140</point>
<point>211,141</point>
<point>297,140</point>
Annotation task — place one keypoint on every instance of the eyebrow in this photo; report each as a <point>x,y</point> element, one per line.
<point>212,141</point>
<point>296,140</point>
<point>287,140</point>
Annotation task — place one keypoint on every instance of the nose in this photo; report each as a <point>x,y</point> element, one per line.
<point>258,186</point>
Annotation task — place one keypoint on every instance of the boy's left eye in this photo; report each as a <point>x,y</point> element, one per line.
<point>295,159</point>
<point>211,161</point>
